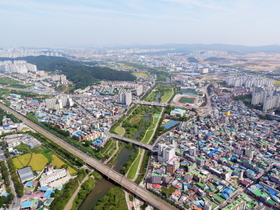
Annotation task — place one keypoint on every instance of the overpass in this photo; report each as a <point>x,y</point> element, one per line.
<point>105,170</point>
<point>138,143</point>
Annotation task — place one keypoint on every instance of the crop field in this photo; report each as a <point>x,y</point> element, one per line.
<point>17,164</point>
<point>38,162</point>
<point>25,159</point>
<point>141,75</point>
<point>57,163</point>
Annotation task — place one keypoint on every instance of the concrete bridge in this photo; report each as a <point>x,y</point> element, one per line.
<point>105,170</point>
<point>138,143</point>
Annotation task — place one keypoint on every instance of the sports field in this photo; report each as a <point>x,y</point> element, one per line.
<point>186,100</point>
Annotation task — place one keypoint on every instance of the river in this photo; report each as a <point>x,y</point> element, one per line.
<point>103,185</point>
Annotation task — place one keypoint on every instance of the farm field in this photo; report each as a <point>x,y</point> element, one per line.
<point>25,159</point>
<point>38,162</point>
<point>38,157</point>
<point>141,74</point>
<point>57,163</point>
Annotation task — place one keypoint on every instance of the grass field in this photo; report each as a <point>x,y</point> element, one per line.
<point>132,172</point>
<point>152,96</point>
<point>147,136</point>
<point>57,163</point>
<point>120,130</point>
<point>7,81</point>
<point>141,75</point>
<point>38,162</point>
<point>186,100</point>
<point>25,159</point>
<point>136,119</point>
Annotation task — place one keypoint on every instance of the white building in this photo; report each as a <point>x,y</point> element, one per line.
<point>165,152</point>
<point>125,98</point>
<point>58,103</point>
<point>51,175</point>
<point>139,90</point>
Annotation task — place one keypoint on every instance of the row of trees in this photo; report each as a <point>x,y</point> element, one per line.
<point>113,200</point>
<point>17,183</point>
<point>86,188</point>
<point>56,129</point>
<point>5,175</point>
<point>61,197</point>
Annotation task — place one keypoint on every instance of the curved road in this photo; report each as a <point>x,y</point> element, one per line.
<point>109,172</point>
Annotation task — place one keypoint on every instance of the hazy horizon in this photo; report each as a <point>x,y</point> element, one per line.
<point>61,23</point>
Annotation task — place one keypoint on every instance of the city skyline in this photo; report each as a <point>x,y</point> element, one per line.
<point>70,23</point>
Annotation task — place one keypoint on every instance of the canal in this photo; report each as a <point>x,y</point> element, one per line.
<point>103,185</point>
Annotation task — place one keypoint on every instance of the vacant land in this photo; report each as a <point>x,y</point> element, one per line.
<point>186,100</point>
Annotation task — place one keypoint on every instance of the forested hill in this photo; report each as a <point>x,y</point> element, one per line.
<point>77,72</point>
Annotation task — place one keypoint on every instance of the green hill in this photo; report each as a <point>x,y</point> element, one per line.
<point>79,73</point>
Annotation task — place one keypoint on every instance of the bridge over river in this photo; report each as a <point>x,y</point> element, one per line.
<point>138,143</point>
<point>105,170</point>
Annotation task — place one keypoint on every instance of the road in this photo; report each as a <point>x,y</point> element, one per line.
<point>105,170</point>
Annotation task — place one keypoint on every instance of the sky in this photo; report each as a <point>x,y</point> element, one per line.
<point>62,23</point>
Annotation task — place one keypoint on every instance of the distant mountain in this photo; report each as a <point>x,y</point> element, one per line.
<point>77,72</point>
<point>183,48</point>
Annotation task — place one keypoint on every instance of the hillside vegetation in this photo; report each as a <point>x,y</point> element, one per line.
<point>79,73</point>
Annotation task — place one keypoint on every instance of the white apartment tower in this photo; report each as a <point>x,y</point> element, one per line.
<point>125,98</point>
<point>165,152</point>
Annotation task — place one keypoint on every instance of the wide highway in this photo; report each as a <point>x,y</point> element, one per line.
<point>107,171</point>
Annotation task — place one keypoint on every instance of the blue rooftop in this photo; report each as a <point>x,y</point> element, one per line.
<point>26,204</point>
